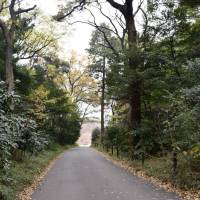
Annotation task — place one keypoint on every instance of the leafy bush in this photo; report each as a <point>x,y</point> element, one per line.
<point>17,131</point>
<point>96,135</point>
<point>54,111</point>
<point>112,134</point>
<point>117,137</point>
<point>63,122</point>
<point>182,125</point>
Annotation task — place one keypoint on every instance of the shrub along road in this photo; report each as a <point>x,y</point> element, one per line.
<point>83,174</point>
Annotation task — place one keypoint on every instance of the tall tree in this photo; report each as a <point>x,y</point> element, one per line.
<point>135,98</point>
<point>13,7</point>
<point>126,9</point>
<point>98,53</point>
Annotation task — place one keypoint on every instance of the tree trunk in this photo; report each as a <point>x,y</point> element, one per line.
<point>103,101</point>
<point>135,94</point>
<point>174,163</point>
<point>135,104</point>
<point>112,149</point>
<point>130,24</point>
<point>117,151</point>
<point>107,148</point>
<point>135,98</point>
<point>8,36</point>
<point>9,65</point>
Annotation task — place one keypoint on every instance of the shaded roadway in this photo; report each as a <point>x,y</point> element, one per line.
<point>83,174</point>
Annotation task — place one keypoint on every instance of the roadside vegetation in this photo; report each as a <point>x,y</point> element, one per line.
<point>151,85</point>
<point>21,174</point>
<point>186,182</point>
<point>39,117</point>
<point>143,67</point>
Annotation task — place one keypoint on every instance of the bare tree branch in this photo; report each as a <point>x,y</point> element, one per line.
<point>116,5</point>
<point>138,8</point>
<point>77,7</point>
<point>20,11</point>
<point>99,28</point>
<point>33,52</point>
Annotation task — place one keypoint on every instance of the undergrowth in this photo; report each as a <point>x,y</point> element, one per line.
<point>186,178</point>
<point>22,173</point>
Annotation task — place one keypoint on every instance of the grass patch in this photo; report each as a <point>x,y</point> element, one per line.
<point>21,174</point>
<point>161,168</point>
<point>157,167</point>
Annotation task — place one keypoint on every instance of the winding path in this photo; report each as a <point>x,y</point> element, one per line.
<point>83,174</point>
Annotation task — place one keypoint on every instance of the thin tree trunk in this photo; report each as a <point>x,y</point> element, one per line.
<point>103,101</point>
<point>117,151</point>
<point>174,163</point>
<point>143,149</point>
<point>112,149</point>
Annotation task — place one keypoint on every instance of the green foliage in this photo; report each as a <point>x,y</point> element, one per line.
<point>17,131</point>
<point>160,167</point>
<point>96,136</point>
<point>53,109</point>
<point>182,123</point>
<point>114,134</point>
<point>165,62</point>
<point>196,150</point>
<point>162,66</point>
<point>40,111</point>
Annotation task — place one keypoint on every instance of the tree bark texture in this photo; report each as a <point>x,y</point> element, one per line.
<point>135,96</point>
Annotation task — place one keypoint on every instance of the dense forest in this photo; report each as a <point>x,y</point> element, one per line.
<point>149,74</point>
<point>142,69</point>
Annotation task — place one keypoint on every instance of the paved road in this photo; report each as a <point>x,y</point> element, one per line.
<point>83,174</point>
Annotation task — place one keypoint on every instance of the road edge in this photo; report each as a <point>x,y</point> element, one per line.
<point>28,191</point>
<point>187,195</point>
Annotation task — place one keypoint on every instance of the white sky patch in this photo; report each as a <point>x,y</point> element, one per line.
<point>49,7</point>
<point>80,35</point>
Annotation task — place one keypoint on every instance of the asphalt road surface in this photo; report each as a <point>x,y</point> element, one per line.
<point>83,174</point>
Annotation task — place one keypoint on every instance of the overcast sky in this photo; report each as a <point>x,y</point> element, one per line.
<point>79,34</point>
